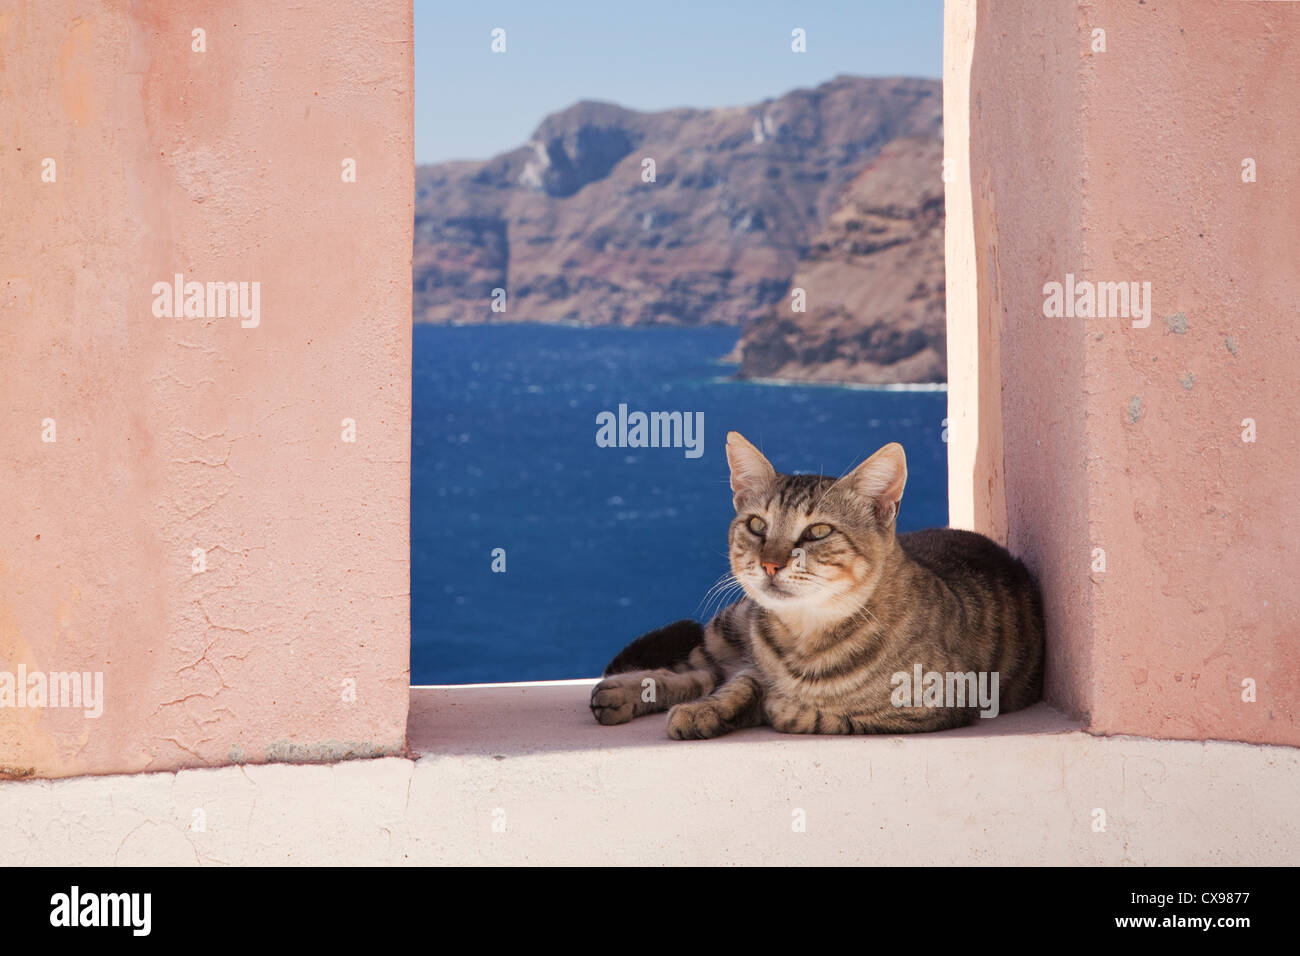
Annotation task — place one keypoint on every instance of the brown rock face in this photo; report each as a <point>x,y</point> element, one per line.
<point>873,283</point>
<point>567,226</point>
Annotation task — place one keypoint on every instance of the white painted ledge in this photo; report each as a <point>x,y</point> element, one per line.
<point>1023,788</point>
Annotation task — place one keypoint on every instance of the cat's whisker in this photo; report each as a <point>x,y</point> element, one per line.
<point>827,489</point>
<point>835,594</point>
<point>721,583</point>
<point>718,591</point>
<point>731,595</point>
<point>724,599</point>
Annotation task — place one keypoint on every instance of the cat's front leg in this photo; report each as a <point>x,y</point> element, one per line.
<point>737,703</point>
<point>620,697</point>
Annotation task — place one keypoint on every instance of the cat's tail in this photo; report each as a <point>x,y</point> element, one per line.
<point>662,648</point>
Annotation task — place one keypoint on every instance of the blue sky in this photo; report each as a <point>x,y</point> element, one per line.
<point>646,54</point>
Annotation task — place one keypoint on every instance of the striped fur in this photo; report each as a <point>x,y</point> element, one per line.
<point>842,607</point>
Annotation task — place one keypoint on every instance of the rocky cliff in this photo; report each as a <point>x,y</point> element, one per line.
<point>574,229</point>
<point>872,283</point>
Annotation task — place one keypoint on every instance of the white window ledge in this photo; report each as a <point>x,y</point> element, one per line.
<point>520,773</point>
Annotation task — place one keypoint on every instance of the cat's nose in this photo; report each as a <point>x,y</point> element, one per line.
<point>771,567</point>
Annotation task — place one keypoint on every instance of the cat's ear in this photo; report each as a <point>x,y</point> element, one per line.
<point>881,479</point>
<point>751,473</point>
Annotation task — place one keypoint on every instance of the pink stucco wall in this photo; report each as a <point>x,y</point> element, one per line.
<point>176,434</point>
<point>1126,165</point>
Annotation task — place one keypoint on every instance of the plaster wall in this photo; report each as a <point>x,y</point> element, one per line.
<point>1163,529</point>
<point>128,157</point>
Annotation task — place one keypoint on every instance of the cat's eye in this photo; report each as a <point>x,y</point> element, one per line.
<point>756,524</point>
<point>819,531</point>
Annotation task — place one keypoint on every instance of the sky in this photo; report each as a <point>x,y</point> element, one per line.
<point>471,103</point>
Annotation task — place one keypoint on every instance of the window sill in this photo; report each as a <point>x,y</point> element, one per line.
<point>520,773</point>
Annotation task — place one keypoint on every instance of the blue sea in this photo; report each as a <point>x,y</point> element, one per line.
<point>598,544</point>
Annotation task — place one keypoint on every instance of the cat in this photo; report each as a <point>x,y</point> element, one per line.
<point>840,618</point>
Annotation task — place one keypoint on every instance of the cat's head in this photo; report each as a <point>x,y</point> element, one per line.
<point>809,545</point>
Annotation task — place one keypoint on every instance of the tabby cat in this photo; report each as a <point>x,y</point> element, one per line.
<point>845,627</point>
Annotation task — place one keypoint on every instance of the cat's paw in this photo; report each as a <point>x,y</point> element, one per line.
<point>613,700</point>
<point>697,720</point>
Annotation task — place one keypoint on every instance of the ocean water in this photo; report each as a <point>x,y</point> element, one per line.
<point>603,544</point>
